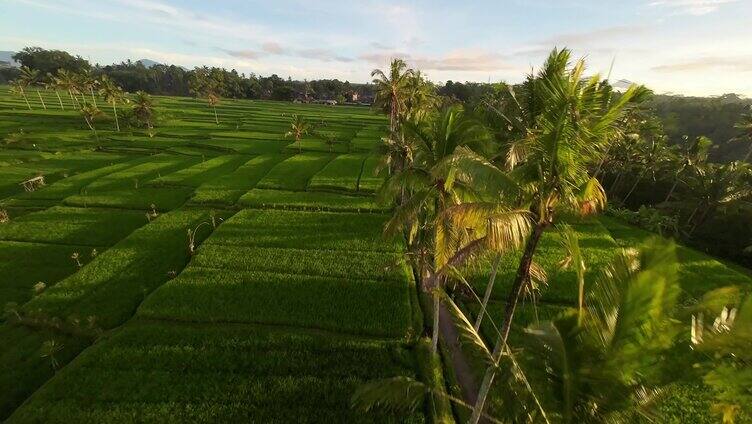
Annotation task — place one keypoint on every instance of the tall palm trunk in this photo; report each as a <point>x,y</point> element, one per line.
<point>435,329</point>
<point>521,280</point>
<point>23,94</point>
<point>489,290</point>
<point>93,98</point>
<point>216,118</point>
<point>74,100</point>
<point>91,127</point>
<point>59,99</point>
<point>673,188</point>
<point>634,186</point>
<point>117,123</point>
<point>41,101</point>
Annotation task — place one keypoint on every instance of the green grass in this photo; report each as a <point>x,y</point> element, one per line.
<point>231,373</point>
<point>112,285</point>
<point>310,201</point>
<point>363,307</point>
<point>295,172</point>
<point>305,230</point>
<point>73,226</point>
<point>228,188</point>
<point>163,199</point>
<point>340,174</point>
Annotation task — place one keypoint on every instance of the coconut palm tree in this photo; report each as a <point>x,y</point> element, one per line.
<point>443,174</point>
<point>391,91</point>
<point>90,113</point>
<point>213,99</point>
<point>692,158</point>
<point>67,81</point>
<point>299,127</point>
<point>570,120</point>
<point>55,84</point>
<point>113,95</point>
<point>592,368</point>
<point>27,78</point>
<point>88,83</point>
<point>143,110</point>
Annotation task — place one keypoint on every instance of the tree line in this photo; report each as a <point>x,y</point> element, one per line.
<point>174,80</point>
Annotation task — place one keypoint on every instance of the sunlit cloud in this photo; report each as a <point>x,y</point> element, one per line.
<point>692,7</point>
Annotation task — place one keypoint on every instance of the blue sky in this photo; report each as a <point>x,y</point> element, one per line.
<point>694,47</point>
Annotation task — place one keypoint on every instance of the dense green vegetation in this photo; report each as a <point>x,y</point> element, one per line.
<point>217,259</point>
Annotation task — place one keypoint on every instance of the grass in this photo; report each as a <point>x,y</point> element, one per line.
<point>294,173</point>
<point>73,226</point>
<point>189,373</point>
<point>340,174</point>
<point>310,201</point>
<point>228,188</point>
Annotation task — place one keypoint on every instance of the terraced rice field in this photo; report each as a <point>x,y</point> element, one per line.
<point>215,273</point>
<point>290,301</point>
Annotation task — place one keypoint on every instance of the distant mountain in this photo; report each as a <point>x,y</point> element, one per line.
<point>622,85</point>
<point>148,62</point>
<point>6,57</point>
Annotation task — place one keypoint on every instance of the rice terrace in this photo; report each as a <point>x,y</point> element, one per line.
<point>201,245</point>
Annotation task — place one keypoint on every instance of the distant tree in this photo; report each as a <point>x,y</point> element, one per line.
<point>48,61</point>
<point>66,80</point>
<point>298,128</point>
<point>143,110</point>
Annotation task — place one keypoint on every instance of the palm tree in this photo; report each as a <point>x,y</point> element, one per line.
<point>717,187</point>
<point>55,84</point>
<point>329,138</point>
<point>570,120</point>
<point>143,110</point>
<point>443,174</point>
<point>298,128</point>
<point>27,78</point>
<point>89,83</point>
<point>67,81</point>
<point>692,157</point>
<point>391,91</point>
<point>90,113</point>
<point>213,100</point>
<point>113,95</point>
<point>593,368</point>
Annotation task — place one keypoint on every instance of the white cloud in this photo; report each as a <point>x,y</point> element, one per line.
<point>692,7</point>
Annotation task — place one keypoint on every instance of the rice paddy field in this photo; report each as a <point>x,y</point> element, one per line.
<point>222,273</point>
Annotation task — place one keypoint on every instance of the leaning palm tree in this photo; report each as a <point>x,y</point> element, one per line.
<point>28,77</point>
<point>113,95</point>
<point>143,110</point>
<point>391,90</point>
<point>54,83</point>
<point>67,81</point>
<point>88,83</point>
<point>90,113</point>
<point>299,127</point>
<point>569,121</point>
<point>691,159</point>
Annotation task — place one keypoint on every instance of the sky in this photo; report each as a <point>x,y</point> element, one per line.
<point>689,47</point>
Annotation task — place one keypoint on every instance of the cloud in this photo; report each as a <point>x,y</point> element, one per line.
<point>244,54</point>
<point>457,60</point>
<point>272,48</point>
<point>691,7</point>
<point>709,63</point>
